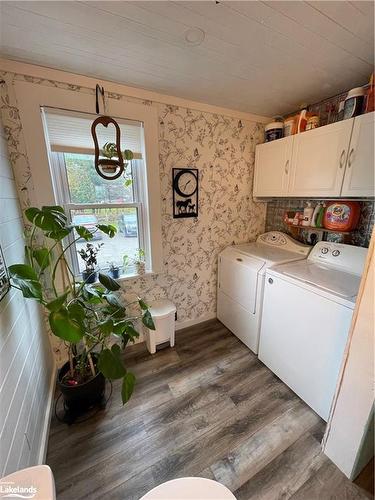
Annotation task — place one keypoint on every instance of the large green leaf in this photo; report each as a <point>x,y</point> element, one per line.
<point>56,304</point>
<point>26,279</point>
<point>147,320</point>
<point>127,388</point>
<point>110,363</point>
<point>41,255</point>
<point>109,282</point>
<point>108,229</point>
<point>48,218</point>
<point>84,233</point>
<point>77,312</point>
<point>64,326</point>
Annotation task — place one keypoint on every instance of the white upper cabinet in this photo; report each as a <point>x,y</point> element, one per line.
<point>272,166</point>
<point>336,160</point>
<point>359,174</point>
<point>319,159</point>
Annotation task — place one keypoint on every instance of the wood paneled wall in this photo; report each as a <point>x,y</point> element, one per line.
<point>26,362</point>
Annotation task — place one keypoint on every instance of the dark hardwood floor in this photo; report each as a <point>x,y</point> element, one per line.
<point>209,408</point>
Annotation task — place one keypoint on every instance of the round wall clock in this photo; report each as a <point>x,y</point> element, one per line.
<point>185,183</point>
<point>185,192</point>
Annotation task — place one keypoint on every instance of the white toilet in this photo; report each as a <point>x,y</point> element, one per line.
<point>190,488</point>
<point>34,482</point>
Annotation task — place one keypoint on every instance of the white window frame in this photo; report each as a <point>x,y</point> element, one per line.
<point>31,98</point>
<point>62,193</point>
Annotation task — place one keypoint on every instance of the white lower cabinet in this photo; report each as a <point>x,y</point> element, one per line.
<point>336,160</point>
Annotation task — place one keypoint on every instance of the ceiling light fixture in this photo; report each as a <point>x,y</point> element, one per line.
<point>194,36</point>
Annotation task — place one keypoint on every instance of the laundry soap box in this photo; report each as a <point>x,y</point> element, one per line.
<point>341,215</point>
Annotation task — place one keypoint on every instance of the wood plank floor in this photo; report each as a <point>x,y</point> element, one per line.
<point>209,408</point>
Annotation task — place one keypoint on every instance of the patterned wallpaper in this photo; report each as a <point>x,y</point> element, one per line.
<point>223,149</point>
<point>360,237</point>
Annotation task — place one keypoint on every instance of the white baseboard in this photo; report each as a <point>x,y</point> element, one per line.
<point>47,417</point>
<point>190,322</point>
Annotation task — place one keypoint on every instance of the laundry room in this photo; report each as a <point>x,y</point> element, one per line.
<point>187,206</point>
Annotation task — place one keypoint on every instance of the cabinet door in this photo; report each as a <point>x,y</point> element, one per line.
<point>359,173</point>
<point>319,158</point>
<point>272,163</point>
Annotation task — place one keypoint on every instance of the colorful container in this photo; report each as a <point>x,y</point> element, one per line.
<point>341,215</point>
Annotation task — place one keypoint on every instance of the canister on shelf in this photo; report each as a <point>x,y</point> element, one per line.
<point>273,131</point>
<point>312,122</point>
<point>354,102</point>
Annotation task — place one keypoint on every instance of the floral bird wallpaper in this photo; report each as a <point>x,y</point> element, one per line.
<point>223,150</point>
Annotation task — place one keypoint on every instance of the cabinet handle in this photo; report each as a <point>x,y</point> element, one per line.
<point>286,167</point>
<point>350,161</point>
<point>270,281</point>
<point>342,157</point>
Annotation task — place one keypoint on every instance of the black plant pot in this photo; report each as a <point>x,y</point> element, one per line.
<point>81,397</point>
<point>115,273</point>
<point>89,276</point>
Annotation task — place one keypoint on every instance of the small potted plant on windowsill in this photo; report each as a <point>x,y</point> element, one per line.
<point>88,255</point>
<point>92,319</point>
<point>114,270</point>
<point>139,261</point>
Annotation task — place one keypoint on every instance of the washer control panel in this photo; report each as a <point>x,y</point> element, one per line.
<point>348,257</point>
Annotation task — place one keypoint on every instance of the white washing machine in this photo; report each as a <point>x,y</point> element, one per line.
<point>307,312</point>
<point>242,270</point>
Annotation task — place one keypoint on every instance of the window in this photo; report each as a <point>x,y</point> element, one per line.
<point>89,199</point>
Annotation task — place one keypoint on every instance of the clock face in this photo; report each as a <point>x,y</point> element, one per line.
<point>186,183</point>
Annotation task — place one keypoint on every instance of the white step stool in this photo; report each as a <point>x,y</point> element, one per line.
<point>163,313</point>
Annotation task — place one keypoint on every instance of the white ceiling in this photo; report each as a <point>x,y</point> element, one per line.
<point>260,57</point>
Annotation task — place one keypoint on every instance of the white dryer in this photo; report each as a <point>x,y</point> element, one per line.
<point>241,276</point>
<point>307,312</point>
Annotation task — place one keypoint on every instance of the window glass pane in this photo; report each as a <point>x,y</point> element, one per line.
<point>126,241</point>
<point>86,186</point>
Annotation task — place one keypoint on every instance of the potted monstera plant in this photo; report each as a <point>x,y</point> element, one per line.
<point>91,318</point>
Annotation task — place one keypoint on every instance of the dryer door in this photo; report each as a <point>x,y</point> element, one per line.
<point>238,277</point>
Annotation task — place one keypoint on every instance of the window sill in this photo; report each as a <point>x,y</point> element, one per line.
<point>124,277</point>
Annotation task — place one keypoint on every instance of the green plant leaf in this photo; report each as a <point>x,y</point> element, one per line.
<point>59,234</point>
<point>142,304</point>
<point>109,282</point>
<point>41,255</point>
<point>128,154</point>
<point>127,388</point>
<point>106,326</point>
<point>64,326</point>
<point>147,320</point>
<point>77,312</point>
<point>113,300</point>
<point>125,326</point>
<point>48,218</point>
<point>56,304</point>
<point>26,279</point>
<point>110,363</point>
<point>108,229</point>
<point>84,233</point>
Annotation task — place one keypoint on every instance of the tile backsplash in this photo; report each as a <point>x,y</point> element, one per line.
<point>360,237</point>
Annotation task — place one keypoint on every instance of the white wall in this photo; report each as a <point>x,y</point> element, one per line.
<point>26,361</point>
<point>349,440</point>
